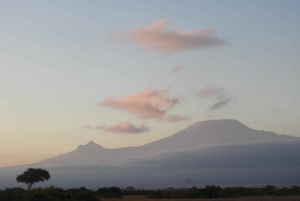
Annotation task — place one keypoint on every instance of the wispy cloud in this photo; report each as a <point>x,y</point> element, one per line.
<point>87,126</point>
<point>176,118</point>
<point>100,127</point>
<point>123,128</point>
<point>177,69</point>
<point>157,37</point>
<point>210,91</point>
<point>150,103</point>
<point>219,94</point>
<point>221,104</point>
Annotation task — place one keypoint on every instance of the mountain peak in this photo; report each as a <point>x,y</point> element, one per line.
<point>219,124</point>
<point>218,121</point>
<point>89,147</point>
<point>92,143</point>
<point>227,131</point>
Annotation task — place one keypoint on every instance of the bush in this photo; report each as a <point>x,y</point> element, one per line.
<point>38,196</point>
<point>111,192</point>
<point>54,192</point>
<point>13,194</point>
<point>86,196</point>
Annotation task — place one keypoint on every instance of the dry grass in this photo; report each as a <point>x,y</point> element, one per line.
<point>262,198</point>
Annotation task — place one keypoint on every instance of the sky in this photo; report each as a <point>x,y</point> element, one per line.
<point>126,73</point>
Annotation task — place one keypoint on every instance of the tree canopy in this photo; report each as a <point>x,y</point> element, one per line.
<point>31,176</point>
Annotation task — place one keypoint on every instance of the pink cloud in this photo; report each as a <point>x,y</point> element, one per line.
<point>156,37</point>
<point>178,69</point>
<point>127,128</point>
<point>151,103</point>
<point>176,118</point>
<point>124,127</point>
<point>210,91</point>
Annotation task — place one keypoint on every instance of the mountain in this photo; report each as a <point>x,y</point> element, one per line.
<point>241,164</point>
<point>201,134</point>
<point>217,152</point>
<point>213,132</point>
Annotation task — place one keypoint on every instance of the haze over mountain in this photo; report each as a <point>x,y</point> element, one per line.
<point>200,134</point>
<point>217,152</point>
<point>186,183</point>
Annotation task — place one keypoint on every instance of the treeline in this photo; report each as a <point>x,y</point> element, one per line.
<point>53,193</point>
<point>218,192</point>
<point>214,192</point>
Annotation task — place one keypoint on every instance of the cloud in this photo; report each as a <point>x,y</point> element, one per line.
<point>127,128</point>
<point>178,69</point>
<point>221,104</point>
<point>87,126</point>
<point>176,118</point>
<point>210,91</point>
<point>124,127</point>
<point>219,94</point>
<point>157,37</point>
<point>150,103</point>
<point>100,127</point>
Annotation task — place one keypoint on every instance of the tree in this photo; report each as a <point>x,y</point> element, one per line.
<point>130,188</point>
<point>31,176</point>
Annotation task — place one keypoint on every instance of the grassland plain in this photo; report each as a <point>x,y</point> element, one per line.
<point>259,198</point>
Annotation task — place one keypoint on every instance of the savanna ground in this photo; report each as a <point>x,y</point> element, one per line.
<point>260,198</point>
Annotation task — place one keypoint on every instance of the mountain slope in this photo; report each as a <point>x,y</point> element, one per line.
<point>197,135</point>
<point>251,163</point>
<point>215,132</point>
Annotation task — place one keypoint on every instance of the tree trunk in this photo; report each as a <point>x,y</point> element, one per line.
<point>29,186</point>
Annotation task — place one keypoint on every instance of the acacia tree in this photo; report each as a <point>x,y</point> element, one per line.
<point>31,176</point>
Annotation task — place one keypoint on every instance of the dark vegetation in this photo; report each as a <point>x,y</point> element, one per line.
<point>53,193</point>
<point>218,192</point>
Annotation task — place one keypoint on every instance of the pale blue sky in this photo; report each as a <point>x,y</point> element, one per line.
<point>60,59</point>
